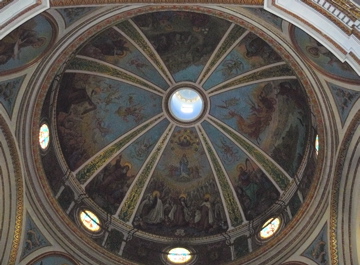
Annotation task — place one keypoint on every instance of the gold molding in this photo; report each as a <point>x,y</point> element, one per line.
<point>10,141</point>
<point>335,191</point>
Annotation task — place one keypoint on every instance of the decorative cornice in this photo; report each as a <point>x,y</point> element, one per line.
<point>5,3</point>
<point>104,2</point>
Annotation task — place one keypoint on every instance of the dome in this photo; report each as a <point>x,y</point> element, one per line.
<point>182,126</point>
<point>177,134</point>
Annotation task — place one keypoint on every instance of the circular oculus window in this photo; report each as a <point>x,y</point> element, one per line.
<point>270,227</point>
<point>44,136</point>
<point>186,104</point>
<point>90,221</point>
<point>179,255</point>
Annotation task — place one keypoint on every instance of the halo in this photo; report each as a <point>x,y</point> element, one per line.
<point>182,195</point>
<point>128,164</point>
<point>240,165</point>
<point>207,196</point>
<point>156,192</point>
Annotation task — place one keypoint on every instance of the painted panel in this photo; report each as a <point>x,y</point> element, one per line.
<point>109,187</point>
<point>252,52</point>
<point>140,250</point>
<point>241,246</point>
<point>254,190</point>
<point>111,47</point>
<point>182,198</point>
<point>105,107</point>
<point>71,15</point>
<point>24,45</point>
<point>344,99</point>
<point>267,16</point>
<point>215,253</point>
<point>8,92</point>
<point>114,241</point>
<point>318,249</point>
<point>184,40</point>
<point>271,115</point>
<point>33,239</point>
<point>321,57</point>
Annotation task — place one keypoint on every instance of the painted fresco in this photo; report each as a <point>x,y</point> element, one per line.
<point>266,16</point>
<point>25,44</point>
<point>114,241</point>
<point>344,99</point>
<point>107,108</point>
<point>318,249</point>
<point>255,191</point>
<point>109,187</point>
<point>33,239</point>
<point>321,57</point>
<point>295,204</point>
<point>140,250</point>
<point>271,115</point>
<point>215,253</point>
<point>184,40</point>
<point>66,197</point>
<point>252,52</point>
<point>71,15</point>
<point>241,247</point>
<point>182,198</point>
<point>111,47</point>
<point>8,92</point>
<point>53,259</point>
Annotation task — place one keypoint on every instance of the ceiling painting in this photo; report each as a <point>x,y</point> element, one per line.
<point>183,40</point>
<point>253,189</point>
<point>71,15</point>
<point>9,89</point>
<point>33,239</point>
<point>255,112</point>
<point>344,99</point>
<point>91,103</point>
<point>182,195</point>
<point>321,57</point>
<point>109,186</point>
<point>113,48</point>
<point>252,52</point>
<point>266,16</point>
<point>318,250</point>
<point>133,155</point>
<point>24,45</point>
<point>231,38</point>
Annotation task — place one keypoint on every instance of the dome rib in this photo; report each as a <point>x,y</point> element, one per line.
<point>131,31</point>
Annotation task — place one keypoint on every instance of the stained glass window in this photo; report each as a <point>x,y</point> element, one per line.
<point>317,144</point>
<point>90,221</point>
<point>179,255</point>
<point>44,136</point>
<point>269,228</point>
